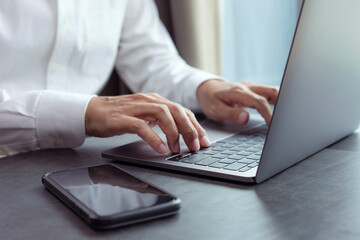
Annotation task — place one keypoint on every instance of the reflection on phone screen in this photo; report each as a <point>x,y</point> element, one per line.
<point>107,190</point>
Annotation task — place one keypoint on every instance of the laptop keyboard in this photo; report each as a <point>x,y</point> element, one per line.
<point>240,152</point>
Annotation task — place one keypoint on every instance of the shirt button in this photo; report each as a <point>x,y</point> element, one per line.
<point>56,68</point>
<point>65,20</point>
<point>58,142</point>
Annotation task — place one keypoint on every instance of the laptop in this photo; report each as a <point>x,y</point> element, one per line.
<point>318,104</point>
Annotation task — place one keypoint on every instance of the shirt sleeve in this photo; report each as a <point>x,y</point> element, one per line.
<point>149,62</point>
<point>41,119</point>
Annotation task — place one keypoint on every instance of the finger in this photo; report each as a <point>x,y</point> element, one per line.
<point>252,100</point>
<point>262,106</point>
<point>183,123</point>
<point>142,129</point>
<point>185,126</point>
<point>167,124</point>
<point>231,113</point>
<point>269,92</point>
<point>160,114</point>
<point>203,137</point>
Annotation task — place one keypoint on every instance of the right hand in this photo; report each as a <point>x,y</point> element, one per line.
<point>221,100</point>
<point>135,113</point>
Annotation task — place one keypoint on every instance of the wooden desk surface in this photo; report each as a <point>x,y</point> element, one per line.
<point>316,199</point>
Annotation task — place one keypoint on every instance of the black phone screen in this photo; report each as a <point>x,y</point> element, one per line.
<point>108,190</point>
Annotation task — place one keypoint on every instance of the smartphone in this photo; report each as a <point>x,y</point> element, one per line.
<point>106,196</point>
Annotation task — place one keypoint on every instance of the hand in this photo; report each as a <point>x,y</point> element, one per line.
<point>221,100</point>
<point>110,116</point>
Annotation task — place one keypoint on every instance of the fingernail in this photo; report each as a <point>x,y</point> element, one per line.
<point>205,142</point>
<point>163,149</point>
<point>243,117</point>
<point>195,146</point>
<point>177,147</point>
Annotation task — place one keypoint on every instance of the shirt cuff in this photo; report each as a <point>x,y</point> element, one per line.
<point>60,119</point>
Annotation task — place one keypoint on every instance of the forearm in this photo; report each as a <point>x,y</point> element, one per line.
<point>172,79</point>
<point>149,62</point>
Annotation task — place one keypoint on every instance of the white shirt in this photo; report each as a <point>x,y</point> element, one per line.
<point>55,55</point>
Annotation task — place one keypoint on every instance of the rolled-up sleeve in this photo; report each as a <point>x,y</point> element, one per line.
<point>149,62</point>
<point>41,119</point>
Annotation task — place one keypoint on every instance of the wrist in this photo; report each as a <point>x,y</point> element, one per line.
<point>205,86</point>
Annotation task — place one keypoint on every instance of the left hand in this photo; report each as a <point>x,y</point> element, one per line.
<point>222,100</point>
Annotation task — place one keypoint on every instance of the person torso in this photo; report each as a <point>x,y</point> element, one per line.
<point>58,44</point>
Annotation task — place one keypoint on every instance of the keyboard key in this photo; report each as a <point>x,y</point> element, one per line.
<point>255,157</point>
<point>218,165</point>
<point>245,153</point>
<point>234,152</point>
<point>242,138</point>
<point>215,148</point>
<point>207,161</point>
<point>227,160</point>
<point>246,145</point>
<point>229,152</point>
<point>236,157</point>
<point>259,139</point>
<point>255,164</point>
<point>219,149</point>
<point>235,166</point>
<point>237,148</point>
<point>244,169</point>
<point>209,152</point>
<point>230,145</point>
<point>252,149</point>
<point>259,146</point>
<point>247,161</point>
<point>220,156</point>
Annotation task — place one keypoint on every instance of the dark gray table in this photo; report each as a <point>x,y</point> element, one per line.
<point>318,198</point>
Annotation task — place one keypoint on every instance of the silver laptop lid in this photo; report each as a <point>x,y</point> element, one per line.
<point>319,99</point>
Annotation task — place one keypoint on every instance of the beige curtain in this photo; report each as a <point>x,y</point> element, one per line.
<point>197,32</point>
